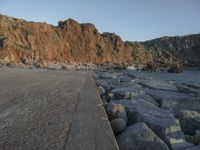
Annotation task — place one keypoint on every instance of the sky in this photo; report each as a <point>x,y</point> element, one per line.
<point>132,20</point>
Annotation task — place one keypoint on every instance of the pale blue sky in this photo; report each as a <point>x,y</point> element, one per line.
<point>134,20</point>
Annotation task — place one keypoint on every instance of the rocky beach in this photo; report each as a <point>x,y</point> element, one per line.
<point>89,90</point>
<point>152,110</point>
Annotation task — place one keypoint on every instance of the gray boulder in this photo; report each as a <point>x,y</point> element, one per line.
<point>125,79</point>
<point>131,92</point>
<point>116,111</point>
<point>188,90</point>
<point>180,144</point>
<point>161,121</point>
<point>189,120</point>
<point>117,84</point>
<point>166,99</point>
<point>106,75</point>
<point>104,84</point>
<point>193,85</point>
<point>101,90</point>
<point>140,137</point>
<point>193,148</point>
<point>118,125</point>
<point>158,85</point>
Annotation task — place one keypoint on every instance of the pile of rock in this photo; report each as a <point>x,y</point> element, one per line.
<point>148,114</point>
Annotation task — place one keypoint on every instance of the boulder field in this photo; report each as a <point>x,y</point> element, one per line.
<point>147,113</point>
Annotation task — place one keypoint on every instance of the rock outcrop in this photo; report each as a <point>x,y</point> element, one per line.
<point>182,49</point>
<point>39,43</point>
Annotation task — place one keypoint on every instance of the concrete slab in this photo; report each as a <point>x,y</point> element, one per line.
<point>38,109</point>
<point>90,129</point>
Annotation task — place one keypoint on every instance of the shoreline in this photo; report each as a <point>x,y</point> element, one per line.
<point>87,66</point>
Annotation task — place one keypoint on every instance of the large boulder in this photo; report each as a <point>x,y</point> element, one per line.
<point>189,121</point>
<point>116,83</point>
<point>140,137</point>
<point>118,125</point>
<point>157,85</point>
<point>193,148</point>
<point>101,91</point>
<point>104,84</point>
<point>167,99</point>
<point>161,121</point>
<point>188,90</point>
<point>131,92</point>
<point>116,111</point>
<point>193,85</point>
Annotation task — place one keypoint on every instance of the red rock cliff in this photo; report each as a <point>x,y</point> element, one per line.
<point>29,43</point>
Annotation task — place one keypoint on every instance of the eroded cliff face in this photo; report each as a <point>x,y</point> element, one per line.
<point>33,43</point>
<point>182,49</point>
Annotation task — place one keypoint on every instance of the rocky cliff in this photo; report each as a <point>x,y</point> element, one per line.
<point>182,49</point>
<point>31,43</point>
<point>40,43</point>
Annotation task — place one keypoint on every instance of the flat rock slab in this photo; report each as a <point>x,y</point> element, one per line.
<point>158,85</point>
<point>39,109</point>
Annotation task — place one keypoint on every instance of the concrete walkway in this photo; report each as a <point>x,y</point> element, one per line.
<point>56,110</point>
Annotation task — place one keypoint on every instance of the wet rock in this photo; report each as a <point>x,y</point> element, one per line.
<point>189,121</point>
<point>140,137</point>
<point>118,125</point>
<point>158,85</point>
<point>116,111</point>
<point>161,121</point>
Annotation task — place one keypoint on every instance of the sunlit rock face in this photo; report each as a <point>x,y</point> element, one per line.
<point>40,43</point>
<point>69,41</point>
